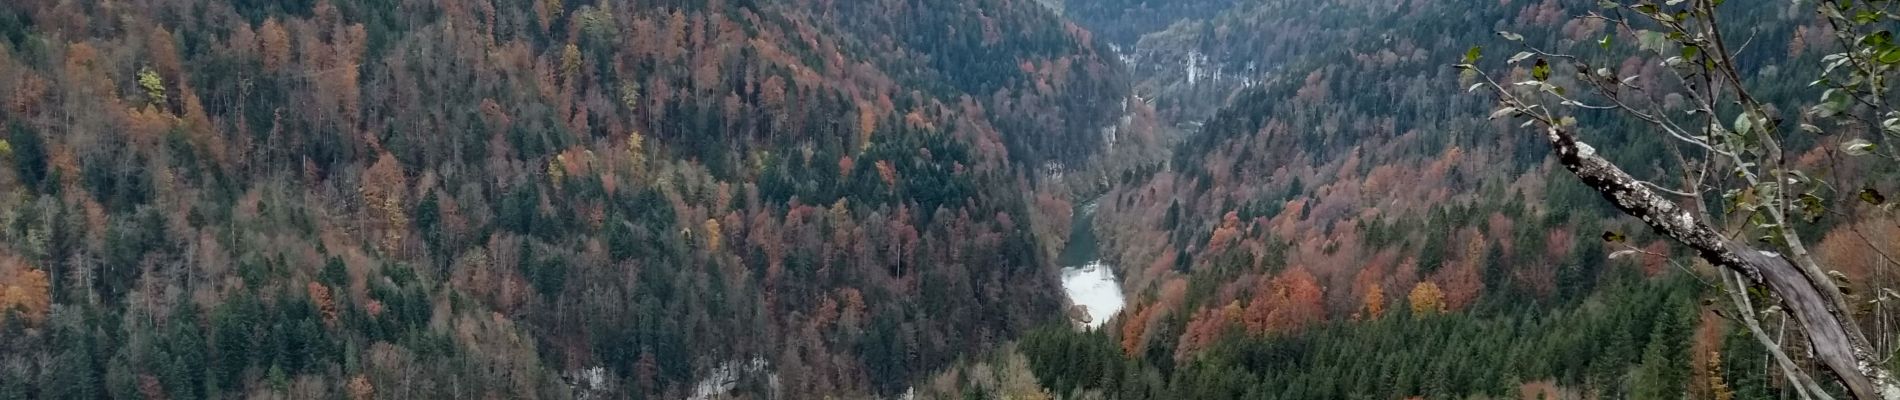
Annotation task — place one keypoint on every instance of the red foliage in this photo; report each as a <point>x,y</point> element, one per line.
<point>1290,302</point>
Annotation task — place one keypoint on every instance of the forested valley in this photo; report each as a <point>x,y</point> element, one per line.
<point>803,199</point>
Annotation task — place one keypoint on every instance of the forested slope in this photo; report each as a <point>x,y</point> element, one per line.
<point>538,199</point>
<point>1348,224</point>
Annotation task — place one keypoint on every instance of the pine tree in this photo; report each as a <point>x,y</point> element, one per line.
<point>1664,372</point>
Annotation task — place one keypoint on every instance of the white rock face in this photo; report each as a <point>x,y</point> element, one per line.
<point>1094,288</point>
<point>726,377</point>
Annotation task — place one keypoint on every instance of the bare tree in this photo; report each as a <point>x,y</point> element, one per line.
<point>1753,238</point>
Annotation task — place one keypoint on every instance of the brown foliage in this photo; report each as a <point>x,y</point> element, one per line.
<point>1461,280</point>
<point>150,388</point>
<point>383,186</point>
<point>360,388</point>
<point>273,45</point>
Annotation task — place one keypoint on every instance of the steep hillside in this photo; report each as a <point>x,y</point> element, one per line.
<point>538,199</point>
<point>1349,225</point>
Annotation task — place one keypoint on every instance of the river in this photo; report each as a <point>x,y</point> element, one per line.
<point>1089,284</point>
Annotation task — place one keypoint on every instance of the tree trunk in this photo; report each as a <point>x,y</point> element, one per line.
<point>1836,341</point>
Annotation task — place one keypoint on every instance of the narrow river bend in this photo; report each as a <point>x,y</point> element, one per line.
<point>1090,285</point>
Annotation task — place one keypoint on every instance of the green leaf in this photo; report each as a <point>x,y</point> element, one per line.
<point>1541,70</point>
<point>1833,102</point>
<point>1866,16</point>
<point>1607,4</point>
<point>1877,39</point>
<point>1651,40</point>
<point>1858,147</point>
<point>1744,124</point>
<point>1872,196</point>
<point>1614,237</point>
<point>1505,112</point>
<point>1472,56</point>
<point>1890,56</point>
<point>1605,41</point>
<point>1690,51</point>
<point>1773,237</point>
<point>1812,208</point>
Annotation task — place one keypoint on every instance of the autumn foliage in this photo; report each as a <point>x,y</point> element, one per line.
<point>368,199</point>
<point>23,289</point>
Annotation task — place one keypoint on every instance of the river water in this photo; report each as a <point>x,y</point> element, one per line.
<point>1088,282</point>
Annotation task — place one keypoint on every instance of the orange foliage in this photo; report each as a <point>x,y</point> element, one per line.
<point>713,234</point>
<point>1369,283</point>
<point>1544,389</point>
<point>852,313</point>
<point>867,123</point>
<point>1860,251</point>
<point>1374,303</point>
<point>1653,265</point>
<point>164,54</point>
<point>1705,358</point>
<point>1290,302</point>
<point>383,186</point>
<point>359,388</point>
<point>886,172</point>
<point>1462,286</point>
<point>1205,328</point>
<point>1426,298</point>
<point>825,314</point>
<point>24,288</point>
<point>1134,328</point>
<point>1798,43</point>
<point>273,44</point>
<point>1462,281</point>
<point>1502,228</point>
<point>320,295</point>
<point>1225,234</point>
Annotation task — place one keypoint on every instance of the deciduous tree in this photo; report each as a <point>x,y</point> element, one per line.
<point>1773,196</point>
<point>1426,299</point>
